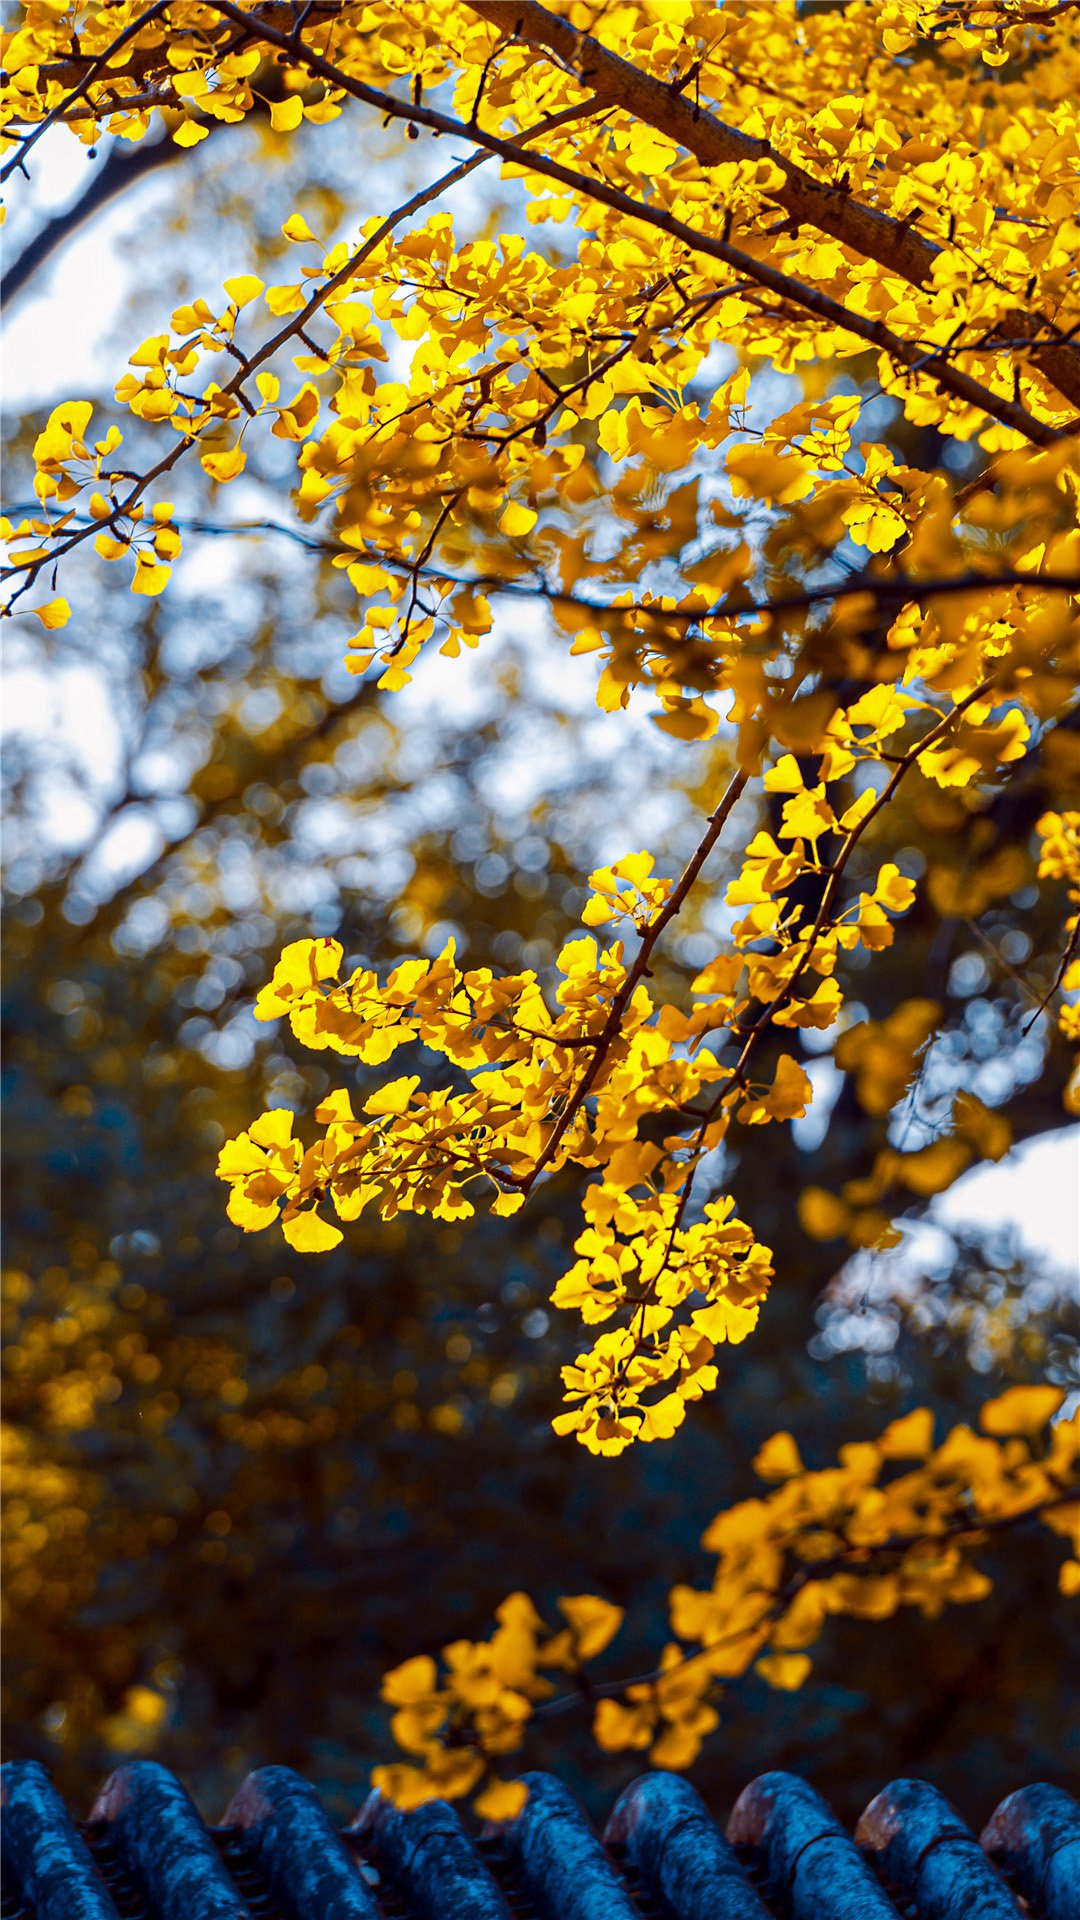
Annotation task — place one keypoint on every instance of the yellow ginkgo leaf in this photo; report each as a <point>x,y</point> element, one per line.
<point>1069,1579</point>
<point>296,228</point>
<point>226,465</point>
<point>909,1438</point>
<point>414,1680</point>
<point>822,1214</point>
<point>593,1621</point>
<point>308,1233</point>
<point>784,1670</point>
<point>273,1129</point>
<point>785,777</point>
<point>285,117</point>
<point>284,299</point>
<point>149,578</point>
<point>807,815</point>
<point>894,890</point>
<point>778,1459</point>
<point>787,1098</point>
<point>501,1800</point>
<point>55,613</point>
<point>516,520</point>
<point>251,1216</point>
<point>241,289</point>
<point>394,1097</point>
<point>1021,1410</point>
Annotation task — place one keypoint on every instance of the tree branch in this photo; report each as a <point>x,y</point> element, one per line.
<point>1062,970</point>
<point>898,589</point>
<point>830,209</point>
<point>293,326</point>
<point>76,75</point>
<point>905,353</point>
<point>637,972</point>
<point>969,1529</point>
<point>123,169</point>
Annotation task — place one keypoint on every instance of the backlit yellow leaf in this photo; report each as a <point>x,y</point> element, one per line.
<point>1023,1410</point>
<point>778,1459</point>
<point>501,1800</point>
<point>308,1233</point>
<point>516,520</point>
<point>55,613</point>
<point>226,465</point>
<point>285,117</point>
<point>243,288</point>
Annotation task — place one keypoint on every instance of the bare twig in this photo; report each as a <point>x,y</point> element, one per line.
<point>1062,969</point>
<point>637,972</point>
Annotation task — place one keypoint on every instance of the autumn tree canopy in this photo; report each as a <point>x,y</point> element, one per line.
<point>745,373</point>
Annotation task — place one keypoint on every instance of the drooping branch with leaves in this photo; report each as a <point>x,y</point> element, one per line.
<point>898,1522</point>
<point>758,230</point>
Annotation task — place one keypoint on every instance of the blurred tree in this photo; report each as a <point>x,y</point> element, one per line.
<point>241,1485</point>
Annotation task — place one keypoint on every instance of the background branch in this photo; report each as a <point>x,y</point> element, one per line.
<point>124,168</point>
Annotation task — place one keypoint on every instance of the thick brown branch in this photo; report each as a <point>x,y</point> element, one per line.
<point>816,203</point>
<point>905,353</point>
<point>908,354</point>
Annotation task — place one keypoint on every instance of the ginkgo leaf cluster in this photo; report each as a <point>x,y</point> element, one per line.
<point>897,1522</point>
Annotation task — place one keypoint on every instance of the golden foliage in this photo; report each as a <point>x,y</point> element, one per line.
<point>480,418</point>
<point>898,1522</point>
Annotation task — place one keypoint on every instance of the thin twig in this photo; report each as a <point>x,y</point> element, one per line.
<point>292,327</point>
<point>1063,967</point>
<point>637,972</point>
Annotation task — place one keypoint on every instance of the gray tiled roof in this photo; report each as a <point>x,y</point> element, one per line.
<point>145,1853</point>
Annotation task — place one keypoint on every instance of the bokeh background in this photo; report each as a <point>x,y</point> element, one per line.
<point>241,1484</point>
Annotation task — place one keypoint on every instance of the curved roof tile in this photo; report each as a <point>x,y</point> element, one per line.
<point>46,1864</point>
<point>811,1867</point>
<point>1034,1837</point>
<point>287,1837</point>
<point>145,1853</point>
<point>923,1850</point>
<point>662,1831</point>
<point>565,1872</point>
<point>428,1857</point>
<point>145,1820</point>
